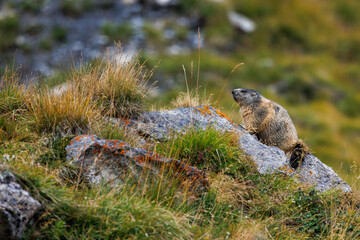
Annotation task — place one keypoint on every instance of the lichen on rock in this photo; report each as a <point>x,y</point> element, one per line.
<point>111,161</point>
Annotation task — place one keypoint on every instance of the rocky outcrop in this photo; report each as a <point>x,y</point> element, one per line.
<point>17,207</point>
<point>111,161</point>
<point>159,124</point>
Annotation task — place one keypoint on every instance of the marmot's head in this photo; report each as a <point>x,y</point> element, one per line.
<point>245,96</point>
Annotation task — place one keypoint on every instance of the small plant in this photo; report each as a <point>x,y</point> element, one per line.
<point>9,27</point>
<point>75,8</point>
<point>154,35</point>
<point>114,131</point>
<point>105,87</point>
<point>69,112</point>
<point>11,92</point>
<point>59,33</point>
<point>119,86</point>
<point>190,99</point>
<point>204,148</point>
<point>12,107</point>
<point>117,32</point>
<point>33,6</point>
<point>56,150</point>
<point>346,12</point>
<point>111,213</point>
<point>45,44</point>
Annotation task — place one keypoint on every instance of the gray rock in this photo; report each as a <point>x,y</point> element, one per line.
<point>269,159</point>
<point>17,207</point>
<point>241,22</point>
<point>111,161</point>
<point>159,124</point>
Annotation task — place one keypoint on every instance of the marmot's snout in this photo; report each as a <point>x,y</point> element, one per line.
<point>245,96</point>
<point>238,94</point>
<point>234,94</point>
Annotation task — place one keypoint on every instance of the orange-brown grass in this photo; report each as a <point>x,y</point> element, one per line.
<point>190,99</point>
<point>11,98</point>
<point>118,83</point>
<point>114,86</point>
<point>12,106</point>
<point>69,112</point>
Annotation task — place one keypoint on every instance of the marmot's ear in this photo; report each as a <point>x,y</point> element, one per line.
<point>253,94</point>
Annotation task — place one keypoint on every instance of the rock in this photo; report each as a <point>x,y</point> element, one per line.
<point>111,161</point>
<point>17,207</point>
<point>269,159</point>
<point>241,22</point>
<point>166,3</point>
<point>160,3</point>
<point>159,124</point>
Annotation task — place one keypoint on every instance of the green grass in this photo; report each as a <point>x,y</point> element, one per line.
<point>249,204</point>
<point>12,107</point>
<point>9,29</point>
<point>59,33</point>
<point>109,213</point>
<point>241,203</point>
<point>117,32</point>
<point>75,8</point>
<point>95,89</point>
<point>305,58</point>
<point>205,148</point>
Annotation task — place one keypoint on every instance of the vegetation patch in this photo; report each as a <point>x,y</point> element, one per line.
<point>206,148</point>
<point>9,27</point>
<point>115,32</point>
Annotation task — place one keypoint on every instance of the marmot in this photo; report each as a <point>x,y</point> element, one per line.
<point>271,123</point>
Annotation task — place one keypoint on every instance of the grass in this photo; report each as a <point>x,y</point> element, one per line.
<point>12,107</point>
<point>205,148</point>
<point>100,88</point>
<point>289,58</point>
<point>127,216</point>
<point>120,88</point>
<point>117,32</point>
<point>9,27</point>
<point>75,8</point>
<point>68,112</point>
<point>240,203</point>
<point>59,33</point>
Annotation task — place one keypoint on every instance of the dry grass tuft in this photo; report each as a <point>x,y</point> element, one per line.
<point>11,92</point>
<point>248,231</point>
<point>190,99</point>
<point>71,111</point>
<point>229,190</point>
<point>12,107</point>
<point>118,83</point>
<point>114,86</point>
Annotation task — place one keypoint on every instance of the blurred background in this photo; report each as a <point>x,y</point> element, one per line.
<point>302,54</point>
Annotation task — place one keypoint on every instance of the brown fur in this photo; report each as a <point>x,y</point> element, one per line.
<point>270,122</point>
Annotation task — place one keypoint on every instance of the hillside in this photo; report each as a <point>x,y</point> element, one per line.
<point>302,54</point>
<point>69,68</point>
<point>233,199</point>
